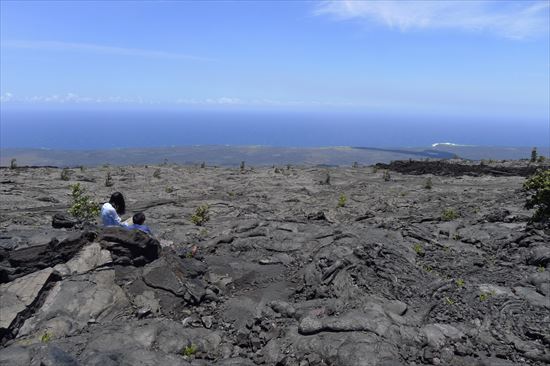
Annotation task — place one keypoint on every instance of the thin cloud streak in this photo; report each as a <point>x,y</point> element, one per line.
<point>95,48</point>
<point>513,20</point>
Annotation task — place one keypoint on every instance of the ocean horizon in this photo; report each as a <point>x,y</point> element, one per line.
<point>111,129</point>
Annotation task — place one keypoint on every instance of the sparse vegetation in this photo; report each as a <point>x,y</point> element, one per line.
<point>326,181</point>
<point>65,174</point>
<point>534,155</point>
<point>449,215</point>
<point>386,176</point>
<point>460,282</point>
<point>342,200</point>
<point>156,173</point>
<point>428,183</point>
<point>108,180</point>
<point>169,189</point>
<point>374,169</point>
<point>540,268</point>
<point>457,236</point>
<point>418,249</point>
<point>46,337</point>
<point>13,163</point>
<point>242,167</point>
<point>449,301</point>
<point>355,165</point>
<point>82,206</point>
<point>484,296</point>
<point>538,185</point>
<point>203,165</point>
<point>189,350</point>
<point>201,215</point>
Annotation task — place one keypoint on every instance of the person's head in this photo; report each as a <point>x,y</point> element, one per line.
<point>117,201</point>
<point>139,218</point>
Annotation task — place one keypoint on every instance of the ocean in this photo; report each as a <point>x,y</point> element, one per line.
<point>106,129</point>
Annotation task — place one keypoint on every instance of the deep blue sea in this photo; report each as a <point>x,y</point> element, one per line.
<point>100,129</point>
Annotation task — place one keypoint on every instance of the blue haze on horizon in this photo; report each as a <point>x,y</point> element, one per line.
<point>371,73</point>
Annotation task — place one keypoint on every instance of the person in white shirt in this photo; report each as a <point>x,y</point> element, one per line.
<point>111,211</point>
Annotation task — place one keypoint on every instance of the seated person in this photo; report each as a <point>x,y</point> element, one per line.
<point>138,219</point>
<point>111,210</point>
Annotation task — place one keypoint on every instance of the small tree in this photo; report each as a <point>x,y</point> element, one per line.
<point>242,166</point>
<point>83,207</point>
<point>108,180</point>
<point>156,173</point>
<point>534,155</point>
<point>13,163</point>
<point>428,184</point>
<point>65,174</point>
<point>342,200</point>
<point>386,176</point>
<point>538,185</point>
<point>201,215</point>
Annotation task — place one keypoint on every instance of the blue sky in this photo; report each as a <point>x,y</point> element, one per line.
<point>460,58</point>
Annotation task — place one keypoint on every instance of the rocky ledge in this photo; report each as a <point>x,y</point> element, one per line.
<point>296,266</point>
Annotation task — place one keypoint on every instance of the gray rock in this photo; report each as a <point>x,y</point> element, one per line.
<point>15,356</point>
<point>533,297</point>
<point>55,356</point>
<point>17,295</point>
<point>90,257</point>
<point>72,303</point>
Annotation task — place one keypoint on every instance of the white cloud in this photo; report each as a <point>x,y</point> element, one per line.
<point>71,98</point>
<point>510,19</point>
<point>95,48</point>
<point>6,97</point>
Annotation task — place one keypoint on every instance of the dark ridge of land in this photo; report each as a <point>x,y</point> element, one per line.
<point>455,169</point>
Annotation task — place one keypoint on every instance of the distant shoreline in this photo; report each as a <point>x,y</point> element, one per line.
<point>256,155</point>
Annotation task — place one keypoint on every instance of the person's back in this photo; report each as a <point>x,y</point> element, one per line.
<point>110,210</point>
<point>138,223</point>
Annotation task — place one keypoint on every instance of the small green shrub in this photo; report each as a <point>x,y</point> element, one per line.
<point>65,174</point>
<point>386,176</point>
<point>540,268</point>
<point>449,301</point>
<point>449,215</point>
<point>541,159</point>
<point>342,200</point>
<point>203,165</point>
<point>457,236</point>
<point>201,215</point>
<point>13,163</point>
<point>156,173</point>
<point>327,179</point>
<point>189,350</point>
<point>46,337</point>
<point>82,206</point>
<point>538,185</point>
<point>418,249</point>
<point>460,282</point>
<point>484,296</point>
